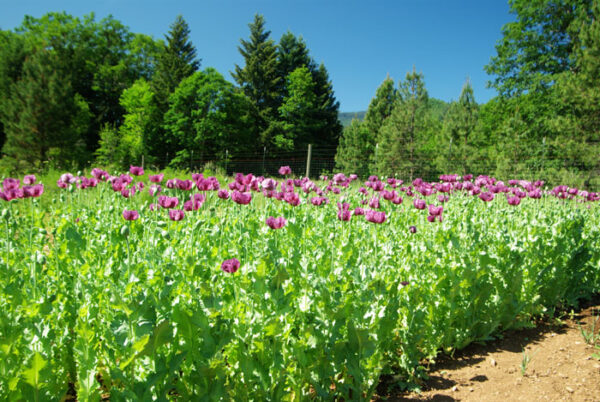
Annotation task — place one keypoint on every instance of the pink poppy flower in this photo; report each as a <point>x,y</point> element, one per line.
<point>241,198</point>
<point>375,216</point>
<point>359,211</point>
<point>136,170</point>
<point>292,198</point>
<point>223,194</point>
<point>318,201</point>
<point>185,185</point>
<point>29,179</point>
<point>157,178</point>
<point>412,229</point>
<point>344,213</point>
<point>130,215</point>
<point>61,184</point>
<point>276,223</point>
<point>487,196</point>
<point>168,202</point>
<point>419,203</point>
<point>68,178</point>
<point>285,170</point>
<point>269,184</point>
<point>176,214</point>
<point>171,183</point>
<point>513,200</point>
<point>435,211</point>
<point>230,266</point>
<point>154,189</point>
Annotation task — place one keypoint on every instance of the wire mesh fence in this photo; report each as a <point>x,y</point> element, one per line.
<point>428,167</point>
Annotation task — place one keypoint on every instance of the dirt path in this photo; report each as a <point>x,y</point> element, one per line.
<point>561,366</point>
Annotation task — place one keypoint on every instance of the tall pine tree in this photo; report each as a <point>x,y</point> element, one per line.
<point>459,131</point>
<point>352,155</point>
<point>177,61</point>
<point>259,79</point>
<point>44,119</point>
<point>405,133</point>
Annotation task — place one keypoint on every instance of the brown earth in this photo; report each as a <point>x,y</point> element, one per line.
<point>560,368</point>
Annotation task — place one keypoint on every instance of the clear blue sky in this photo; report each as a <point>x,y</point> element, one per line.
<point>360,42</point>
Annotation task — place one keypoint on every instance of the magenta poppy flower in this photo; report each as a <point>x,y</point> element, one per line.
<point>157,178</point>
<point>185,185</point>
<point>223,194</point>
<point>419,203</point>
<point>241,198</point>
<point>433,218</point>
<point>118,185</point>
<point>359,211</point>
<point>168,202</point>
<point>176,214</point>
<point>344,213</point>
<point>10,183</point>
<point>154,189</point>
<point>375,216</point>
<point>378,186</point>
<point>29,179</point>
<point>269,184</point>
<point>412,229</point>
<point>487,196</point>
<point>514,200</point>
<point>276,223</point>
<point>136,170</point>
<point>285,170</point>
<point>154,207</point>
<point>230,266</point>
<point>318,201</point>
<point>7,195</point>
<point>99,174</point>
<point>374,203</point>
<point>126,192</point>
<point>467,177</point>
<point>536,194</point>
<point>130,215</point>
<point>61,184</point>
<point>292,198</point>
<point>353,177</point>
<point>171,183</point>
<point>68,178</point>
<point>435,211</point>
<point>397,200</point>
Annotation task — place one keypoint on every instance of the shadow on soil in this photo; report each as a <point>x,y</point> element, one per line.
<point>472,355</point>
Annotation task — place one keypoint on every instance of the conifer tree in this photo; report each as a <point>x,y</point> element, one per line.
<point>381,106</point>
<point>177,61</point>
<point>44,119</point>
<point>291,54</point>
<point>351,156</point>
<point>404,134</point>
<point>330,129</point>
<point>459,133</point>
<point>259,78</point>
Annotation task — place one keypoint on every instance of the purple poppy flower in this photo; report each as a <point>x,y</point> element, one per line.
<point>230,266</point>
<point>513,200</point>
<point>154,189</point>
<point>29,179</point>
<point>292,198</point>
<point>374,203</point>
<point>285,170</point>
<point>157,178</point>
<point>136,170</point>
<point>276,223</point>
<point>185,185</point>
<point>487,196</point>
<point>344,212</point>
<point>359,211</point>
<point>397,200</point>
<point>419,203</point>
<point>375,216</point>
<point>318,201</point>
<point>412,229</point>
<point>68,178</point>
<point>168,202</point>
<point>435,211</point>
<point>176,214</point>
<point>241,198</point>
<point>269,184</point>
<point>130,215</point>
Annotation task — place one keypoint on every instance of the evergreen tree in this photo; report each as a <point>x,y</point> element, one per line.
<point>458,132</point>
<point>291,54</point>
<point>259,79</point>
<point>44,119</point>
<point>379,110</point>
<point>381,106</point>
<point>298,112</point>
<point>351,156</point>
<point>405,134</point>
<point>329,131</point>
<point>177,61</point>
<point>207,117</point>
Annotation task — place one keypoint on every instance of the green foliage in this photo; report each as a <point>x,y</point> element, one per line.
<point>299,111</point>
<point>44,119</point>
<point>259,79</point>
<point>408,134</point>
<point>351,154</point>
<point>208,116</point>
<point>459,148</point>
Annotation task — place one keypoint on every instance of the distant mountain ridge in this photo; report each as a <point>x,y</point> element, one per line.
<point>438,108</point>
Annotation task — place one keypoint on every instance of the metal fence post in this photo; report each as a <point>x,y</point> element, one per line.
<point>308,160</point>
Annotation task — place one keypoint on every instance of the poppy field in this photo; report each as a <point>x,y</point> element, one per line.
<point>139,286</point>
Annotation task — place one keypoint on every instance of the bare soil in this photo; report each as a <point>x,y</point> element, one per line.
<point>560,367</point>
